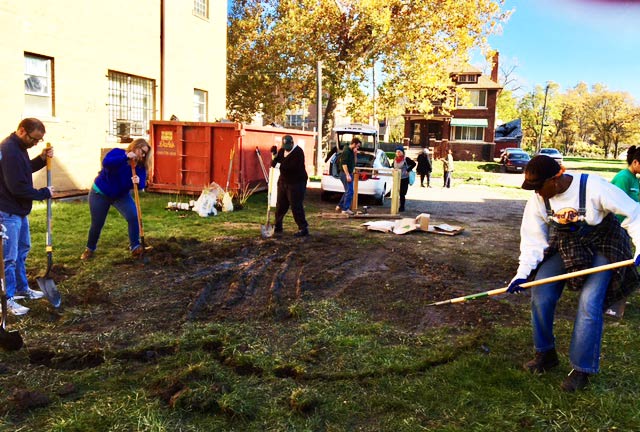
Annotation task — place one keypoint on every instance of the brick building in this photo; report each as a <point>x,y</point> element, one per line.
<point>468,129</point>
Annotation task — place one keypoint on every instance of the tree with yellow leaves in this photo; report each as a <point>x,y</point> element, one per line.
<point>274,47</point>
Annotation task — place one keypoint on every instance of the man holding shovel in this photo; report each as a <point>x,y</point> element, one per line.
<point>292,185</point>
<point>16,197</point>
<point>569,224</point>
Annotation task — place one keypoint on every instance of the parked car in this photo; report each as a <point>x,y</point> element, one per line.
<point>504,152</point>
<point>553,153</point>
<point>515,161</point>
<point>369,156</point>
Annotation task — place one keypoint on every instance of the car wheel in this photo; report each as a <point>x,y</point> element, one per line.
<point>503,168</point>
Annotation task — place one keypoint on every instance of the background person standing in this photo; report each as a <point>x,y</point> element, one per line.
<point>447,169</point>
<point>424,167</point>
<point>628,182</point>
<point>404,164</point>
<point>347,167</point>
<point>292,185</point>
<point>16,198</point>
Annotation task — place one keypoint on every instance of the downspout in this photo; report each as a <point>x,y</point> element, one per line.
<point>161,59</point>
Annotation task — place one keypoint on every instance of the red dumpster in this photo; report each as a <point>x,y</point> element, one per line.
<point>187,156</point>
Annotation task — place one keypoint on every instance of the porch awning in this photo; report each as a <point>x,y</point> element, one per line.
<point>469,122</point>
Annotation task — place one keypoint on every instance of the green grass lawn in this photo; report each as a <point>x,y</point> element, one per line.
<point>326,368</point>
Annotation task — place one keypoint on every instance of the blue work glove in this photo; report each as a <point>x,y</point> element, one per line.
<point>514,287</point>
<point>637,261</point>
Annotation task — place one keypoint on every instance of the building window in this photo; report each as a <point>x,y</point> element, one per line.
<point>38,85</point>
<point>199,105</point>
<point>469,133</point>
<point>131,105</point>
<point>294,120</point>
<point>201,8</point>
<point>477,99</point>
<point>467,78</point>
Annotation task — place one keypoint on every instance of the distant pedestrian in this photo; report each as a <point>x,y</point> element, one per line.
<point>292,185</point>
<point>424,167</point>
<point>112,187</point>
<point>347,167</point>
<point>447,169</point>
<point>16,197</point>
<point>404,164</point>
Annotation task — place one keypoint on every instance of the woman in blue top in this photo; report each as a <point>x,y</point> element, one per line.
<point>112,187</point>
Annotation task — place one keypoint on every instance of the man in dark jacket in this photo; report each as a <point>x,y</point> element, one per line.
<point>16,197</point>
<point>292,185</point>
<point>424,167</point>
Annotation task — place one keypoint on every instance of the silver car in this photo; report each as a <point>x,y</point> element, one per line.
<point>552,153</point>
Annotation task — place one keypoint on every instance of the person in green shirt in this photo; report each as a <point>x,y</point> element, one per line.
<point>628,182</point>
<point>626,179</point>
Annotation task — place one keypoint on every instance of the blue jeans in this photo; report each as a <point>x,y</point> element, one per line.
<point>16,249</point>
<point>99,205</point>
<point>345,201</point>
<point>584,351</point>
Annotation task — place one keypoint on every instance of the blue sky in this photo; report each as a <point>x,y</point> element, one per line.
<point>568,41</point>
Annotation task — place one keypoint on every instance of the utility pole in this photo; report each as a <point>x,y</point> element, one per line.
<point>544,109</point>
<point>319,119</point>
<point>375,121</point>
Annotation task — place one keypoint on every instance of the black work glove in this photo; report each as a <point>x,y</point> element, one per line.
<point>514,287</point>
<point>274,150</point>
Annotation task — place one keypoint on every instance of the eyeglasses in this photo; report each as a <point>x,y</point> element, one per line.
<point>36,140</point>
<point>144,152</point>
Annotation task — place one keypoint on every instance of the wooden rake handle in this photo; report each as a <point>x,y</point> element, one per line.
<point>551,279</point>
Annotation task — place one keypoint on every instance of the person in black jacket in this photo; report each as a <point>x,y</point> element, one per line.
<point>292,185</point>
<point>16,197</point>
<point>424,167</point>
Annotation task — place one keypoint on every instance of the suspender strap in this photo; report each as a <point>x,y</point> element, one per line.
<point>582,201</point>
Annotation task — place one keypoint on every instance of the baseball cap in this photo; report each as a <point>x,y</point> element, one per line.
<point>539,169</point>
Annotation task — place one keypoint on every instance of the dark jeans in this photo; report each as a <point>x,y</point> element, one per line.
<point>404,187</point>
<point>291,195</point>
<point>347,197</point>
<point>99,205</point>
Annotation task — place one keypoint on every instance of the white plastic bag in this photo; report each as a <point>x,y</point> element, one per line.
<point>205,205</point>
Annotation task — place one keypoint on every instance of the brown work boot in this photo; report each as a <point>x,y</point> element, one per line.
<point>87,254</point>
<point>576,380</point>
<point>137,252</point>
<point>542,362</point>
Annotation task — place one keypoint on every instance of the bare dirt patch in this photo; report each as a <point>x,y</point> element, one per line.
<point>392,278</point>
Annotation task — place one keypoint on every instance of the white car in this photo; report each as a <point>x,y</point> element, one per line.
<point>369,156</point>
<point>552,153</point>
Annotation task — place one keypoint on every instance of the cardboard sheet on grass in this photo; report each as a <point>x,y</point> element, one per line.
<point>420,223</point>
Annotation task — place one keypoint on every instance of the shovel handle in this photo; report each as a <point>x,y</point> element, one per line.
<point>136,197</point>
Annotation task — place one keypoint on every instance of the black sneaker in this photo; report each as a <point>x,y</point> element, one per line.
<point>302,233</point>
<point>542,362</point>
<point>576,380</point>
<point>278,229</point>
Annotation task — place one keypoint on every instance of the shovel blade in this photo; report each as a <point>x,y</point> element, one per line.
<point>10,340</point>
<point>48,287</point>
<point>266,230</point>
